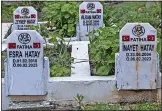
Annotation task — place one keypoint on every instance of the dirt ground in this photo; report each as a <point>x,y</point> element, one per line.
<point>50,106</point>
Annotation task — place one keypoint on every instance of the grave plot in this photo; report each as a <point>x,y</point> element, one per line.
<point>90,18</point>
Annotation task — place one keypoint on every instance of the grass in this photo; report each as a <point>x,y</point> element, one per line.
<point>143,106</point>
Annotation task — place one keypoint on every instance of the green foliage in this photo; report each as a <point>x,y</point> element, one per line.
<point>3,55</point>
<point>102,50</point>
<point>9,8</point>
<point>125,12</point>
<point>7,12</point>
<point>59,54</point>
<point>102,107</point>
<point>146,106</point>
<point>60,61</point>
<point>105,43</point>
<point>63,15</point>
<point>79,98</point>
<point>128,12</point>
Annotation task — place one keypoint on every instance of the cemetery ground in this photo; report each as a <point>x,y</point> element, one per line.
<point>102,49</point>
<point>49,106</point>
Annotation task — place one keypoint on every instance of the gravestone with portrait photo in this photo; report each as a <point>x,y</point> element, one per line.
<point>137,61</point>
<point>23,17</point>
<point>25,64</point>
<point>90,17</point>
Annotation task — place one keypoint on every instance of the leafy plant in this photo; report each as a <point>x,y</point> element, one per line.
<point>7,12</point>
<point>59,53</point>
<point>60,62</point>
<point>102,49</point>
<point>79,98</point>
<point>63,16</point>
<point>127,12</point>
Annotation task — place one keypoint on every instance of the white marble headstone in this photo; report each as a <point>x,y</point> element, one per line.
<point>25,63</point>
<point>23,17</point>
<point>138,56</point>
<point>90,17</point>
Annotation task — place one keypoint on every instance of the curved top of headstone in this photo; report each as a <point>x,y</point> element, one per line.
<point>33,34</point>
<point>23,17</point>
<point>27,10</point>
<point>84,4</point>
<point>138,30</point>
<point>129,26</point>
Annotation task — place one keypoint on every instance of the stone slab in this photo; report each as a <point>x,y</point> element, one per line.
<point>94,89</point>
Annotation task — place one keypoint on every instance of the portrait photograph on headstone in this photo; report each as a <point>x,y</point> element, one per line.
<point>81,55</point>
